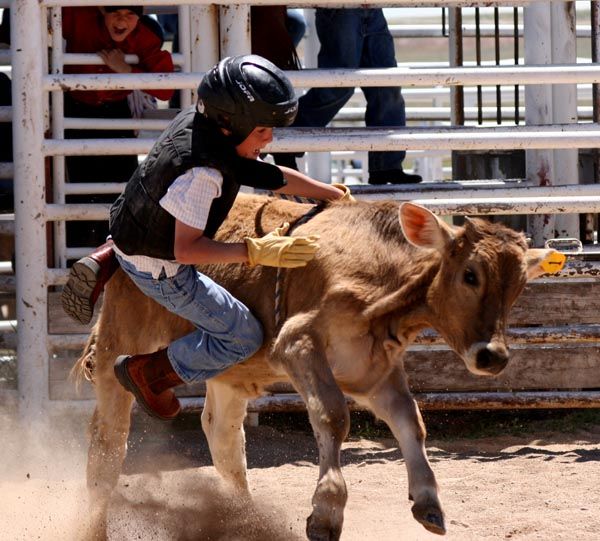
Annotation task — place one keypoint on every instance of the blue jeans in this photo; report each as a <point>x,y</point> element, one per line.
<point>296,25</point>
<point>355,38</point>
<point>226,331</point>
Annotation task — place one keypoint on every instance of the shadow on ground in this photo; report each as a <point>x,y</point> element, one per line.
<point>287,439</point>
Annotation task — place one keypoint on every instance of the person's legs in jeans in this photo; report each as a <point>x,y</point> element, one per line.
<point>226,331</point>
<point>385,105</point>
<point>341,47</point>
<point>339,32</point>
<point>296,25</point>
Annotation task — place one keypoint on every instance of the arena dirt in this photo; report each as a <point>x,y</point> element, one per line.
<point>535,486</point>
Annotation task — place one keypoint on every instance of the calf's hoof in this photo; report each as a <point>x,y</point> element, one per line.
<point>430,516</point>
<point>318,531</point>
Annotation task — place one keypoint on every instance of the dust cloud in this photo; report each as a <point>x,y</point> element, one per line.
<point>43,495</point>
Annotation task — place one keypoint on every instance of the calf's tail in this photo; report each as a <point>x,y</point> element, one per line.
<point>85,366</point>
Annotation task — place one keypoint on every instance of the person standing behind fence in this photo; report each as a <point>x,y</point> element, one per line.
<point>112,32</point>
<point>356,38</point>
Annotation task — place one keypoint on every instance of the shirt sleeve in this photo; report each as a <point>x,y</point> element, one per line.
<point>190,196</point>
<point>153,60</point>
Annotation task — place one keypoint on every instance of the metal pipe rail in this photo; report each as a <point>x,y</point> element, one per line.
<point>346,114</point>
<point>71,59</point>
<point>300,3</point>
<point>451,206</point>
<point>399,31</point>
<point>309,78</point>
<point>149,124</point>
<point>348,139</point>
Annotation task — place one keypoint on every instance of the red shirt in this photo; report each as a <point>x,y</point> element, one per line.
<point>85,32</point>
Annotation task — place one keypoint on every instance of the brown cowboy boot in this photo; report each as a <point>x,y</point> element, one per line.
<point>149,378</point>
<point>86,281</point>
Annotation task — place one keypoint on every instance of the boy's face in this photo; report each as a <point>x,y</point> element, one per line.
<point>120,23</point>
<point>258,139</point>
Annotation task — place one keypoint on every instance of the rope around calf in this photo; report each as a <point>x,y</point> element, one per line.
<point>318,207</point>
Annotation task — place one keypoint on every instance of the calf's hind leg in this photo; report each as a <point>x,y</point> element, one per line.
<point>108,446</point>
<point>300,351</point>
<point>392,402</point>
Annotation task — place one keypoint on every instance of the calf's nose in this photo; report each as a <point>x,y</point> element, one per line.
<point>493,358</point>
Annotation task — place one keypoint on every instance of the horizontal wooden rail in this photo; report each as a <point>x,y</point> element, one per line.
<point>436,401</point>
<point>516,335</point>
<point>289,402</point>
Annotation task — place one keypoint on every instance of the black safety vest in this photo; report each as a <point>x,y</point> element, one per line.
<point>140,226</point>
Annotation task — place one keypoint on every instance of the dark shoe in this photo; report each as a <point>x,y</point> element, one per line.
<point>86,281</point>
<point>150,378</point>
<point>393,176</point>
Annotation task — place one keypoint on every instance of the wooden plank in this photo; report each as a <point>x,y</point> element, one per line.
<point>557,303</point>
<point>573,366</point>
<point>61,387</point>
<point>60,323</point>
<point>542,303</point>
<point>569,367</point>
<point>433,401</point>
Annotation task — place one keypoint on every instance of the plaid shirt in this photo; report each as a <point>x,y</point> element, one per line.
<point>188,199</point>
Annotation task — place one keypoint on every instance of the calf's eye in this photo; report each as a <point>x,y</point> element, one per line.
<point>470,278</point>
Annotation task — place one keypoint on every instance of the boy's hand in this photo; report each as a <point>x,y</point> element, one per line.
<point>277,250</point>
<point>115,60</point>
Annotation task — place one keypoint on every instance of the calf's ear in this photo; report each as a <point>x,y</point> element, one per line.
<point>424,229</point>
<point>543,261</point>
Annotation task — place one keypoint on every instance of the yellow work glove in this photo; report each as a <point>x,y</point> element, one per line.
<point>347,195</point>
<point>277,250</point>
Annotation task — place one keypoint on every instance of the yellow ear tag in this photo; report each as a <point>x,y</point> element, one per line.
<point>554,262</point>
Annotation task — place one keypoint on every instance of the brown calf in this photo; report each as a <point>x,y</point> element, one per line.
<point>346,320</point>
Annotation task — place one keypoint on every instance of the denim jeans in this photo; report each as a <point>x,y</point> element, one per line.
<point>226,331</point>
<point>355,38</point>
<point>296,25</point>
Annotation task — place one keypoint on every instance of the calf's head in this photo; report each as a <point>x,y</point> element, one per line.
<point>483,269</point>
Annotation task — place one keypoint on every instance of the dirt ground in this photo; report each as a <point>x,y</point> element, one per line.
<point>534,484</point>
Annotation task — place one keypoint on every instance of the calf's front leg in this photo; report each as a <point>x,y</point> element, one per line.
<point>392,402</point>
<point>299,349</point>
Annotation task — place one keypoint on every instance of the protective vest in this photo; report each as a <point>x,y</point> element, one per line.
<point>140,226</point>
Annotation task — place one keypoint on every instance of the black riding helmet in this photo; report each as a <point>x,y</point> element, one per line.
<point>243,92</point>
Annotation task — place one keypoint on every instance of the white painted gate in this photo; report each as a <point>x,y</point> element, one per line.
<point>34,81</point>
